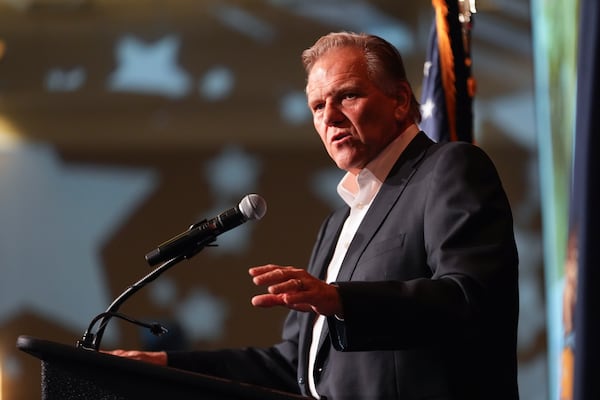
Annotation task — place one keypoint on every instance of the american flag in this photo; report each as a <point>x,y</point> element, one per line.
<point>448,87</point>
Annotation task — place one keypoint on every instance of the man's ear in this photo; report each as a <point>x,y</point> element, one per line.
<point>403,97</point>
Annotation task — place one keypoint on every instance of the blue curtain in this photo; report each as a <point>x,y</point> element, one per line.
<point>586,195</point>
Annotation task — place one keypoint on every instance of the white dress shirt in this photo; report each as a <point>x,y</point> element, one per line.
<point>358,192</point>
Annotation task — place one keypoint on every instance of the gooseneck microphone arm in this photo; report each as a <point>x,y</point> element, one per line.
<point>92,341</point>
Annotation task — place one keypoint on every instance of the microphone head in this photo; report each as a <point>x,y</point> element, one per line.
<point>253,206</point>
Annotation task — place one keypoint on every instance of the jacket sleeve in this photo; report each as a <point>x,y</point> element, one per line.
<point>273,367</point>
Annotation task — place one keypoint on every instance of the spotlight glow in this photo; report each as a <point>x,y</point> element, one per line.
<point>9,136</point>
<point>2,48</point>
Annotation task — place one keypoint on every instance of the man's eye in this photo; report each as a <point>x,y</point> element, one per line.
<point>350,96</point>
<point>318,106</point>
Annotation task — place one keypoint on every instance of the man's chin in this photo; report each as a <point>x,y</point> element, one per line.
<point>348,167</point>
<point>346,159</point>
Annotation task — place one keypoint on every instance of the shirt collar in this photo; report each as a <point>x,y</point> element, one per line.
<point>363,187</point>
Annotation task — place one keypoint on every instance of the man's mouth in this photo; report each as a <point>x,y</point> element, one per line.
<point>338,137</point>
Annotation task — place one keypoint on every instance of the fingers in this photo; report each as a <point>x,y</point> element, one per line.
<point>281,282</point>
<point>267,300</point>
<point>255,271</point>
<point>272,272</point>
<point>293,288</point>
<point>272,275</point>
<point>270,300</point>
<point>283,294</point>
<point>321,298</point>
<point>291,285</point>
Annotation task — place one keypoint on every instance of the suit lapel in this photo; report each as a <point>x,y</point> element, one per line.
<point>388,196</point>
<point>327,243</point>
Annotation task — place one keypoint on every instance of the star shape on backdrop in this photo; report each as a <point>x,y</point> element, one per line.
<point>62,80</point>
<point>216,84</point>
<point>201,314</point>
<point>149,68</point>
<point>54,219</point>
<point>293,108</point>
<point>232,174</point>
<point>242,21</point>
<point>324,183</point>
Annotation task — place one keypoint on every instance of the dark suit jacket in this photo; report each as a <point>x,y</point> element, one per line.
<point>429,289</point>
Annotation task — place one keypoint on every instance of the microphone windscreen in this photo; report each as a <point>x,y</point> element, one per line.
<point>253,206</point>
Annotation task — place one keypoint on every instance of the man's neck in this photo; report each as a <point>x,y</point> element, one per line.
<point>381,165</point>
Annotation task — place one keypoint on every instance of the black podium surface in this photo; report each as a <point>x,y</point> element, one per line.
<point>72,373</point>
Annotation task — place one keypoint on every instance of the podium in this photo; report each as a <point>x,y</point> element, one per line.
<point>69,373</point>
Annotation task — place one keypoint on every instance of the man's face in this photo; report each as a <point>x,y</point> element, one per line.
<point>353,117</point>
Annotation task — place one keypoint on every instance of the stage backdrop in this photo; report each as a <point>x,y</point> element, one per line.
<point>123,122</point>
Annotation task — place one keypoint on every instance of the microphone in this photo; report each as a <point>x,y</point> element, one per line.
<point>198,235</point>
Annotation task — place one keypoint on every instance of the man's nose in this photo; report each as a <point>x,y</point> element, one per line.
<point>333,115</point>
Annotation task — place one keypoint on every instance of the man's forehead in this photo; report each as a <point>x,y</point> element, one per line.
<point>336,69</point>
<point>345,57</point>
<point>339,82</point>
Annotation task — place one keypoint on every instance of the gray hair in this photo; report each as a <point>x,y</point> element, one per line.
<point>384,62</point>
